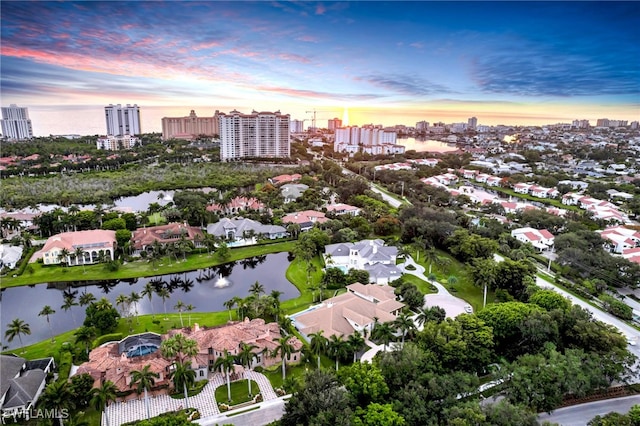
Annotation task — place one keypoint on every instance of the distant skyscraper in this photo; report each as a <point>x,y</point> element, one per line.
<point>334,124</point>
<point>257,135</point>
<point>16,123</point>
<point>190,127</point>
<point>580,124</point>
<point>602,122</point>
<point>122,120</point>
<point>297,126</point>
<point>472,123</point>
<point>422,126</point>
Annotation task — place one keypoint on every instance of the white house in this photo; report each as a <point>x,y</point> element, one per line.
<point>369,255</point>
<point>340,209</point>
<point>618,238</point>
<point>540,239</point>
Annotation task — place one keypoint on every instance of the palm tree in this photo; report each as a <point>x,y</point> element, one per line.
<point>79,254</point>
<point>337,347</point>
<point>164,295</point>
<point>284,349</point>
<point>246,356</point>
<point>275,297</point>
<point>134,298</point>
<point>149,291</point>
<point>63,256</point>
<point>183,377</point>
<point>229,304</point>
<point>452,280</point>
<point>45,312</point>
<point>190,308</point>
<point>405,324</point>
<point>318,344</point>
<point>180,305</point>
<point>69,302</point>
<point>179,347</point>
<point>225,364</point>
<point>383,331</point>
<point>122,301</point>
<point>57,395</point>
<point>85,335</point>
<point>256,288</point>
<point>102,396</point>
<point>17,327</point>
<point>431,256</point>
<point>356,343</point>
<point>144,379</point>
<point>86,299</point>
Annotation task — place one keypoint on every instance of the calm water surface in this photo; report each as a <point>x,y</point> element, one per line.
<point>206,296</point>
<point>426,145</point>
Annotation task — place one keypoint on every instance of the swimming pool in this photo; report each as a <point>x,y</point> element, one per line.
<point>141,350</point>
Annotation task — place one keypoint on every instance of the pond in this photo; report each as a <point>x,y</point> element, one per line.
<point>205,289</point>
<point>426,145</point>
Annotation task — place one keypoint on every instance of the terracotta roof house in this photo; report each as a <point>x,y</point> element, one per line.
<point>21,384</point>
<point>93,243</point>
<point>340,209</point>
<point>144,238</point>
<point>242,232</point>
<point>618,238</point>
<point>279,180</point>
<point>306,219</point>
<point>540,239</point>
<point>237,205</point>
<point>356,310</point>
<point>369,255</point>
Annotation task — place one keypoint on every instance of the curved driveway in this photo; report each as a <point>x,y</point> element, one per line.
<point>579,415</point>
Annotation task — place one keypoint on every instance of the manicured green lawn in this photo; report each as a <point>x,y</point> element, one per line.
<point>422,285</point>
<point>297,274</point>
<point>239,392</point>
<point>138,268</point>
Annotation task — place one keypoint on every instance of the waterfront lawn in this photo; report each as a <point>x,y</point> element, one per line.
<point>239,392</point>
<point>297,274</point>
<point>138,268</point>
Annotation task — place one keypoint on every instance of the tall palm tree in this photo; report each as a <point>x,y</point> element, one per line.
<point>46,312</point>
<point>164,294</point>
<point>133,300</point>
<point>275,298</point>
<point>246,356</point>
<point>284,349</point>
<point>63,256</point>
<point>69,303</point>
<point>225,364</point>
<point>85,335</point>
<point>405,324</point>
<point>149,291</point>
<point>356,343</point>
<point>229,304</point>
<point>183,377</point>
<point>17,327</point>
<point>383,331</point>
<point>57,395</point>
<point>79,254</point>
<point>122,301</point>
<point>318,344</point>
<point>180,305</point>
<point>256,288</point>
<point>102,396</point>
<point>337,347</point>
<point>431,256</point>
<point>190,308</point>
<point>144,379</point>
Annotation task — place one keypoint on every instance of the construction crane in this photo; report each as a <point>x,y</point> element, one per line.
<point>314,111</point>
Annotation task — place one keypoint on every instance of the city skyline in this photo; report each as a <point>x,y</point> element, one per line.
<point>388,63</point>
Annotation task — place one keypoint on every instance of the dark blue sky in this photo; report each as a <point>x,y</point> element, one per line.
<point>508,60</point>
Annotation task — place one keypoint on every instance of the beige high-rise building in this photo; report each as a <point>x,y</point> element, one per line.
<point>190,127</point>
<point>255,135</point>
<point>334,123</point>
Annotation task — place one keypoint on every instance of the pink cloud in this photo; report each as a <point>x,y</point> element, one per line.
<point>308,39</point>
<point>320,9</point>
<point>292,57</point>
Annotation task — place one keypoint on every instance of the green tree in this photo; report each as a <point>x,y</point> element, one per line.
<point>57,395</point>
<point>337,347</point>
<point>17,327</point>
<point>80,387</point>
<point>364,382</point>
<point>180,306</point>
<point>318,344</point>
<point>144,379</point>
<point>183,377</point>
<point>405,324</point>
<point>285,349</point>
<point>223,252</point>
<point>356,343</point>
<point>102,315</point>
<point>378,415</point>
<point>383,331</point>
<point>550,300</point>
<point>256,289</point>
<point>149,291</point>
<point>69,303</point>
<point>225,364</point>
<point>246,357</point>
<point>102,396</point>
<point>46,312</point>
<point>179,347</point>
<point>610,419</point>
<point>84,336</point>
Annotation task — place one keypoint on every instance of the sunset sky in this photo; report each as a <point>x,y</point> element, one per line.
<point>387,62</point>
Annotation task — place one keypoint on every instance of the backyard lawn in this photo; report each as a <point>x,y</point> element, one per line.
<point>239,392</point>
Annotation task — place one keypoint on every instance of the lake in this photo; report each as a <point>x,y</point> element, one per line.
<point>425,145</point>
<point>206,295</point>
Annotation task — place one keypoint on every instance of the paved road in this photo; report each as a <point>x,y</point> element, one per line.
<point>269,411</point>
<point>393,202</point>
<point>579,415</point>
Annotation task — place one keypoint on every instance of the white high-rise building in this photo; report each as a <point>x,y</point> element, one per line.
<point>122,120</point>
<point>297,126</point>
<point>422,126</point>
<point>256,135</point>
<point>16,123</point>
